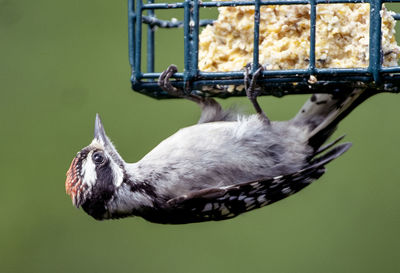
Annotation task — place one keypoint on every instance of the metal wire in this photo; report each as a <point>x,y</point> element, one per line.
<point>275,82</point>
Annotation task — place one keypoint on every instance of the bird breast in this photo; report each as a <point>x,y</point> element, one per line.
<point>222,153</point>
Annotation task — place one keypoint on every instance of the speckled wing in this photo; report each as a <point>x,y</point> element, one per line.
<point>227,202</point>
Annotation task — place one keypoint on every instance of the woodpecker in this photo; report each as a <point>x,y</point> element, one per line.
<point>225,165</point>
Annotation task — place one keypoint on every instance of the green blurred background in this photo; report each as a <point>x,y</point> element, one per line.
<point>63,61</point>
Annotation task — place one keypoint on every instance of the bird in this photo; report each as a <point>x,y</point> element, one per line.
<point>225,165</point>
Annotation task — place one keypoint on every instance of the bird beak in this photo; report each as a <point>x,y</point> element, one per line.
<point>99,132</point>
<point>100,136</point>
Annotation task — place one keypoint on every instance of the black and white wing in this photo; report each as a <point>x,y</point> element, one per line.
<point>227,202</point>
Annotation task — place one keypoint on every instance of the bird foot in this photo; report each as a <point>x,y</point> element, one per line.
<point>251,91</point>
<point>165,83</point>
<point>250,81</point>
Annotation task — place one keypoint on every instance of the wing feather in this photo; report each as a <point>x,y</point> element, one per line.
<point>229,201</point>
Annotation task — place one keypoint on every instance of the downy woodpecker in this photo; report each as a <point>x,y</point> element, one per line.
<point>225,165</point>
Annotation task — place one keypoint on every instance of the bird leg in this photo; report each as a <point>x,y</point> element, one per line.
<point>251,91</point>
<point>211,109</point>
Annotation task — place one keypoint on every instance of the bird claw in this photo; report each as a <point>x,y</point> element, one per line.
<point>165,83</point>
<point>250,81</point>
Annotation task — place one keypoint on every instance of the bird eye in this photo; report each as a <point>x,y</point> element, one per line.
<point>98,157</point>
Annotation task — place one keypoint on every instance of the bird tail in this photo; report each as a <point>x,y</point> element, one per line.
<point>322,113</point>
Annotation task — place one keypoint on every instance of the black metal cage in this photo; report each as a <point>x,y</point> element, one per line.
<point>274,82</point>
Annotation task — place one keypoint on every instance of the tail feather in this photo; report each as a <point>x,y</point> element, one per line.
<point>340,107</point>
<point>322,113</point>
<point>328,146</point>
<point>330,155</point>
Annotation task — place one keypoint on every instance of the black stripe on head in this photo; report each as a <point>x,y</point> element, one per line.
<point>101,192</point>
<point>142,187</point>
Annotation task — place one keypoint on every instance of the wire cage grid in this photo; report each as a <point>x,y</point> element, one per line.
<point>275,82</point>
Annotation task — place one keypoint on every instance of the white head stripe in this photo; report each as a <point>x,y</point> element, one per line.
<point>89,174</point>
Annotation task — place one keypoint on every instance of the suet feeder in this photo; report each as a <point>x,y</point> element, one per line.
<point>142,17</point>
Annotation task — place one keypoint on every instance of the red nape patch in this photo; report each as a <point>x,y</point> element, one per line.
<point>73,181</point>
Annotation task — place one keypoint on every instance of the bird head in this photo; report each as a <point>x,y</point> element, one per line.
<point>95,173</point>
